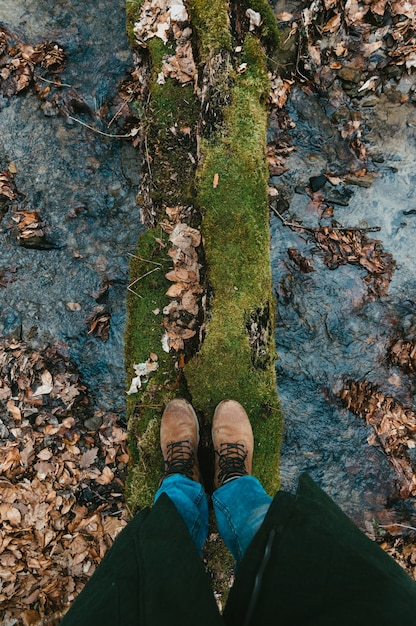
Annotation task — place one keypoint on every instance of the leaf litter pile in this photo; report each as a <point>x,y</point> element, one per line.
<point>62,483</point>
<point>21,63</point>
<point>394,428</point>
<point>182,314</point>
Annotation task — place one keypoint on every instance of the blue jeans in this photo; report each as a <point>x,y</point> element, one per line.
<point>240,507</point>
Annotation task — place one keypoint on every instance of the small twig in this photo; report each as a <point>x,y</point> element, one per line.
<point>114,513</point>
<point>52,82</point>
<point>291,224</point>
<point>117,113</point>
<point>100,132</point>
<point>370,229</point>
<point>136,256</point>
<point>147,156</point>
<point>152,406</point>
<point>298,56</point>
<point>395,524</point>
<point>129,288</point>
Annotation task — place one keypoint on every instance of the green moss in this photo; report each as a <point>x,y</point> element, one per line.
<point>143,335</point>
<point>132,15</point>
<point>144,328</point>
<point>146,471</point>
<point>211,20</point>
<point>171,107</point>
<point>269,30</point>
<point>236,242</point>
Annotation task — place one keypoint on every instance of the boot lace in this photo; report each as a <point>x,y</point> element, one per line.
<point>231,461</point>
<point>180,459</point>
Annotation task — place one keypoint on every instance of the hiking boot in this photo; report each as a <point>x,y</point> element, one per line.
<point>179,439</point>
<point>233,442</point>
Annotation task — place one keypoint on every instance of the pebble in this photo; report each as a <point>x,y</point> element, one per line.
<point>349,75</point>
<point>339,196</point>
<point>360,181</point>
<point>94,422</point>
<point>317,182</point>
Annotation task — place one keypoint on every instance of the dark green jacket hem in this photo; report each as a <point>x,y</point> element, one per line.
<point>307,565</point>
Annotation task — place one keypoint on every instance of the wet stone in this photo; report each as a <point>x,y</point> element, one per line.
<point>341,114</point>
<point>369,101</point>
<point>360,181</point>
<point>349,75</point>
<point>317,182</point>
<point>339,196</point>
<point>93,423</point>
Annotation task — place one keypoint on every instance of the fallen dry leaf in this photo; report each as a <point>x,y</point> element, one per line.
<point>332,24</point>
<point>106,476</point>
<point>46,386</point>
<point>284,16</point>
<point>181,66</point>
<point>99,322</point>
<point>7,186</point>
<point>142,370</point>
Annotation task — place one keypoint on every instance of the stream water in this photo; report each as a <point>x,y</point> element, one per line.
<point>60,165</point>
<point>326,329</point>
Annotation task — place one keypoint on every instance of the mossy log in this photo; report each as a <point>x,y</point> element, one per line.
<point>203,150</point>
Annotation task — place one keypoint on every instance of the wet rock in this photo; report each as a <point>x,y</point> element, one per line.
<point>378,158</point>
<point>393,71</point>
<point>38,243</point>
<point>317,182</point>
<point>11,323</point>
<point>370,101</point>
<point>115,189</point>
<point>349,75</point>
<point>360,181</point>
<point>339,196</point>
<point>394,95</point>
<point>342,114</point>
<point>94,422</point>
<point>300,190</point>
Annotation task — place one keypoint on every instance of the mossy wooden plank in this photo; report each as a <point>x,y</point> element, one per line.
<point>236,358</point>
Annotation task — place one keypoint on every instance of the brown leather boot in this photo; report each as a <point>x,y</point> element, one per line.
<point>233,441</point>
<point>179,439</point>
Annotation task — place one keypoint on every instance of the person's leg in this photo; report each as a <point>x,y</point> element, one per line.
<point>179,438</point>
<point>240,507</point>
<point>191,502</point>
<point>240,502</point>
